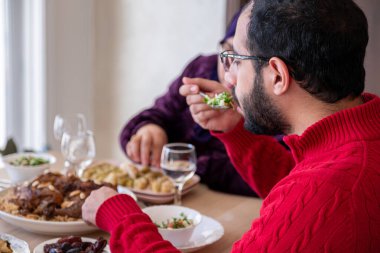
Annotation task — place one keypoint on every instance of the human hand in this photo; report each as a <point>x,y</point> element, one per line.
<point>204,115</point>
<point>146,145</point>
<point>94,201</point>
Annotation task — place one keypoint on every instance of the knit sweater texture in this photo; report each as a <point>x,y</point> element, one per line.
<point>329,202</point>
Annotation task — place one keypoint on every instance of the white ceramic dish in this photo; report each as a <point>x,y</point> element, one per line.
<point>40,247</point>
<point>162,198</point>
<point>125,190</point>
<point>163,213</point>
<point>206,233</point>
<point>20,173</point>
<point>46,227</point>
<point>17,245</point>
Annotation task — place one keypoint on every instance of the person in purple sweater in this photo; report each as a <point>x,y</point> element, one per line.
<point>170,120</point>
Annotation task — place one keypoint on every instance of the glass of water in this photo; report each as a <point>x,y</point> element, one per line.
<point>178,161</point>
<point>78,150</point>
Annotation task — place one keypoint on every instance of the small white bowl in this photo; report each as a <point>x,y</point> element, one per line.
<point>21,173</point>
<point>180,236</point>
<point>17,245</point>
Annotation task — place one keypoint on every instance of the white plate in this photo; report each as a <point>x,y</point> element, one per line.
<point>125,190</point>
<point>161,198</point>
<point>17,245</point>
<point>206,233</point>
<point>40,247</point>
<point>46,227</point>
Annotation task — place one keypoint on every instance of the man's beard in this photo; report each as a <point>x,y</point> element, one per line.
<point>260,113</point>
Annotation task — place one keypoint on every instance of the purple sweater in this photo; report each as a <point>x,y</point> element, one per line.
<point>171,112</point>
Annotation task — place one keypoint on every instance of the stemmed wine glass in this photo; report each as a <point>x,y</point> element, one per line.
<point>78,150</point>
<point>178,161</point>
<point>72,124</point>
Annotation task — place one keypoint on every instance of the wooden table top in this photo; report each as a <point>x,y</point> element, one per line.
<point>235,213</point>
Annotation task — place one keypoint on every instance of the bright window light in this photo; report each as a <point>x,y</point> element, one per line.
<point>2,76</point>
<point>35,90</point>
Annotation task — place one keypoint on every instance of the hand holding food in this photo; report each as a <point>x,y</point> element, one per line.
<point>145,146</point>
<point>203,114</point>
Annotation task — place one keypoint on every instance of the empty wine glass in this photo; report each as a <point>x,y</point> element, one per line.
<point>178,161</point>
<point>72,124</point>
<point>78,150</point>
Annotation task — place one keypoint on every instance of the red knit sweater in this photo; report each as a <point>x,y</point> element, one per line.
<point>329,202</point>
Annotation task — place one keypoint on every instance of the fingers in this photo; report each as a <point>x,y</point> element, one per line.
<point>195,99</point>
<point>156,155</point>
<point>133,148</point>
<point>145,149</point>
<point>188,89</point>
<point>202,113</point>
<point>202,83</point>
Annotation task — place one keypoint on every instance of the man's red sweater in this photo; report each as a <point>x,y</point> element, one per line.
<point>329,202</point>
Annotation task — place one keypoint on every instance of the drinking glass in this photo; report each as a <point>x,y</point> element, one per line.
<point>78,150</point>
<point>178,161</point>
<point>72,124</point>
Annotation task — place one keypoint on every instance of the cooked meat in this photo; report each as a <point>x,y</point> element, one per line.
<point>53,194</point>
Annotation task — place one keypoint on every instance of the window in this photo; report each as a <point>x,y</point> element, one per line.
<point>24,89</point>
<point>2,75</point>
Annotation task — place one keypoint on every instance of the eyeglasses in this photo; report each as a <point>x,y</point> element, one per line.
<point>228,57</point>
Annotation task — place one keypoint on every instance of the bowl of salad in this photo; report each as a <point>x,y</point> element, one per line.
<point>21,167</point>
<point>175,223</point>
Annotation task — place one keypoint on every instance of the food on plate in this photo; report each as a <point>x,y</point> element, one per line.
<point>28,161</point>
<point>12,244</point>
<point>129,175</point>
<point>223,99</point>
<point>75,244</point>
<point>51,196</point>
<point>176,222</point>
<point>5,246</point>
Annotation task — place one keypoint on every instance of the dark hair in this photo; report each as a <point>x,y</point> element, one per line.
<point>323,43</point>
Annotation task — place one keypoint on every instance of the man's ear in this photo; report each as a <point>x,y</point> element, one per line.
<point>279,76</point>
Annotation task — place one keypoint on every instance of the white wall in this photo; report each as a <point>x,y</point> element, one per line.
<point>70,48</point>
<point>141,46</point>
<point>110,59</point>
<point>372,9</point>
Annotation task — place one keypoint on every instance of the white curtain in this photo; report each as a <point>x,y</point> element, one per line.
<point>25,88</point>
<point>2,74</point>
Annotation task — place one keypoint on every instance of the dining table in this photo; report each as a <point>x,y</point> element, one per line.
<point>234,212</point>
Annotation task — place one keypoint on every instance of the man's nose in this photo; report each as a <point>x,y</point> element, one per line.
<point>230,79</point>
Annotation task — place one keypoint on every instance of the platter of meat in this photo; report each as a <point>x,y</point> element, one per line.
<point>50,204</point>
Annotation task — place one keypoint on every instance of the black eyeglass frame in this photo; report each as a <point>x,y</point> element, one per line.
<point>230,54</point>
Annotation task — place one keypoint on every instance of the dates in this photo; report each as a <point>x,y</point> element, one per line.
<point>74,244</point>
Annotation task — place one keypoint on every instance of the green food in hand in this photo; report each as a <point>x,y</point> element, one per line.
<point>175,223</point>
<point>223,99</point>
<point>28,161</point>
